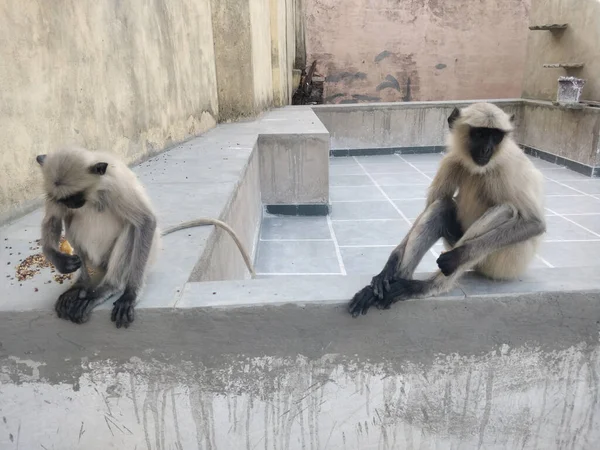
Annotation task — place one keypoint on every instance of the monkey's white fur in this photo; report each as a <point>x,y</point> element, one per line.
<point>509,178</point>
<point>95,231</point>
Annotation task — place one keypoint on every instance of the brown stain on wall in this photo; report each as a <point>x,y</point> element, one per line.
<point>436,50</point>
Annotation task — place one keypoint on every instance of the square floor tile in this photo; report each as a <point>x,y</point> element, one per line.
<point>342,161</point>
<point>297,257</point>
<point>411,208</point>
<point>350,180</point>
<point>370,260</point>
<point>553,188</point>
<point>423,158</point>
<point>295,228</point>
<point>563,174</point>
<point>571,254</point>
<point>406,191</point>
<point>558,228</point>
<point>391,168</point>
<point>364,210</point>
<point>586,186</point>
<point>348,193</point>
<point>345,169</point>
<point>413,177</point>
<point>541,164</point>
<point>379,232</point>
<point>379,159</point>
<point>591,222</point>
<point>573,205</point>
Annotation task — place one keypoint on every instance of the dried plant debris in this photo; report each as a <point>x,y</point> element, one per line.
<point>33,264</point>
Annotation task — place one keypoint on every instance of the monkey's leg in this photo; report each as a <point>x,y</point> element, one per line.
<point>497,228</point>
<point>135,250</point>
<point>437,221</point>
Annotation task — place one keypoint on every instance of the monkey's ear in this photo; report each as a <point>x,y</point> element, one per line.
<point>455,115</point>
<point>512,118</point>
<point>40,159</point>
<point>99,168</point>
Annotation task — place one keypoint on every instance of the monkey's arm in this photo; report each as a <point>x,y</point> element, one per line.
<point>51,231</point>
<point>439,206</point>
<point>499,227</point>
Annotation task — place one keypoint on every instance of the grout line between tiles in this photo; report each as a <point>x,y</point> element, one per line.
<point>336,246</point>
<point>433,252</point>
<point>573,222</point>
<point>413,166</point>
<point>544,261</point>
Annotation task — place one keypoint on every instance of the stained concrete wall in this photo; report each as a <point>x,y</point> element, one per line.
<point>488,372</point>
<point>578,43</point>
<point>286,23</point>
<point>393,125</point>
<point>130,77</point>
<point>382,50</point>
<point>127,76</point>
<point>572,134</point>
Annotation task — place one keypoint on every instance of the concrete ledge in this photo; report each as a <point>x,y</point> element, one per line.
<point>216,175</point>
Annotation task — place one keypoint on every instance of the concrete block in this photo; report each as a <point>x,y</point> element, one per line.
<point>294,168</point>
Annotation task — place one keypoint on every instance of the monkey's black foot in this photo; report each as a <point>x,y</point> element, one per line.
<point>123,310</point>
<point>68,263</point>
<point>450,261</point>
<point>362,301</point>
<point>73,306</point>
<point>400,290</point>
<point>381,282</point>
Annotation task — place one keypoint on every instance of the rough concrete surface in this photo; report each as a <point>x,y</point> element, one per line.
<point>493,373</point>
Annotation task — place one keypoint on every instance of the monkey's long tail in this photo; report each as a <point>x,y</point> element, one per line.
<point>218,223</point>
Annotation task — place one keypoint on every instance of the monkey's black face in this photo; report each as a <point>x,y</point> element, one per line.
<point>483,143</point>
<point>74,201</point>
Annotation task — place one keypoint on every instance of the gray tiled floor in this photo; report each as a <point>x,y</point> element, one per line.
<point>374,200</point>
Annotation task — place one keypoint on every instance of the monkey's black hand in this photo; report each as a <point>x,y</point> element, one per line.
<point>450,261</point>
<point>381,282</point>
<point>69,303</point>
<point>362,301</point>
<point>123,310</point>
<point>66,263</point>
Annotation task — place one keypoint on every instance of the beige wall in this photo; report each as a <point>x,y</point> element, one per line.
<point>580,42</point>
<point>373,50</point>
<point>130,76</point>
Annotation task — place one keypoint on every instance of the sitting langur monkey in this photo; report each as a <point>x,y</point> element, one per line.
<point>493,224</point>
<point>110,223</point>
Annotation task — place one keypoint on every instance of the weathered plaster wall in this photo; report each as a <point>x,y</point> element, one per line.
<point>385,50</point>
<point>286,24</point>
<point>260,32</point>
<point>127,76</point>
<point>130,77</point>
<point>578,43</point>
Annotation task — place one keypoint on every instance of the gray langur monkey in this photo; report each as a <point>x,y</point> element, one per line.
<point>110,223</point>
<point>493,225</point>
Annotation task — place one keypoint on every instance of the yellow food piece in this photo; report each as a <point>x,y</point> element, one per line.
<point>65,247</point>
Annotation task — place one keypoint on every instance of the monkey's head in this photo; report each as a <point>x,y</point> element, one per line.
<point>478,132</point>
<point>70,174</point>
